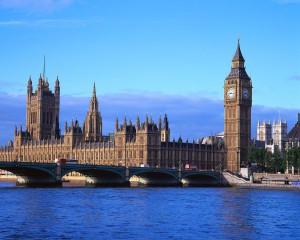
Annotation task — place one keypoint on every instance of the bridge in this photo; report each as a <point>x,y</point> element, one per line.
<point>51,175</point>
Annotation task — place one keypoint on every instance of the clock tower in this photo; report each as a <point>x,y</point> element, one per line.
<point>237,113</point>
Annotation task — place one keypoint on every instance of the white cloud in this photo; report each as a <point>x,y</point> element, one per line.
<point>50,22</point>
<point>35,5</point>
<point>295,78</point>
<point>11,23</point>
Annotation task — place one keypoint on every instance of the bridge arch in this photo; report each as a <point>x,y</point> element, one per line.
<point>33,174</point>
<point>29,169</point>
<point>154,177</point>
<point>200,179</point>
<point>98,175</point>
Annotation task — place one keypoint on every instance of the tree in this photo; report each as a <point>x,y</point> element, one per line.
<point>267,161</point>
<point>292,157</point>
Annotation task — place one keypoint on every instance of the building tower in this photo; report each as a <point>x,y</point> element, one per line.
<point>165,130</point>
<point>237,113</point>
<point>42,109</point>
<point>264,132</point>
<point>93,121</point>
<point>279,134</point>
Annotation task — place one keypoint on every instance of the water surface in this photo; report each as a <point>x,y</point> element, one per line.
<point>147,213</point>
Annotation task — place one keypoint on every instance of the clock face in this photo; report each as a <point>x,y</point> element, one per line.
<point>245,93</point>
<point>230,93</point>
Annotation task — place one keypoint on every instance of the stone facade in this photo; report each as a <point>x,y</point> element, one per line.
<point>42,110</point>
<point>274,136</point>
<point>237,113</point>
<point>131,144</point>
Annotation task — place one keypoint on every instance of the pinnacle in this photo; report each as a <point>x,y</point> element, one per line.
<point>94,89</point>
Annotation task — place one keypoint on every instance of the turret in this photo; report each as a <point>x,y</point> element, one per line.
<point>93,120</point>
<point>138,124</point>
<point>55,132</point>
<point>165,131</point>
<point>159,123</point>
<point>166,123</point>
<point>146,122</point>
<point>29,86</point>
<point>57,87</point>
<point>66,126</point>
<point>40,83</point>
<point>117,124</point>
<point>125,122</point>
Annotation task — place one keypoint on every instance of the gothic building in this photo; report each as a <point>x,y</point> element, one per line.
<point>237,113</point>
<point>92,126</point>
<point>264,132</point>
<point>132,144</point>
<point>42,110</point>
<point>274,136</point>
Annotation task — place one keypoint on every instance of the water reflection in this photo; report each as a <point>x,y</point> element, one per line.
<point>147,213</point>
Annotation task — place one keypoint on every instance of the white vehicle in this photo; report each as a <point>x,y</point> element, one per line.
<point>144,165</point>
<point>65,161</point>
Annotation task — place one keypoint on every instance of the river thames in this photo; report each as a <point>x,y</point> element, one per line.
<point>148,213</point>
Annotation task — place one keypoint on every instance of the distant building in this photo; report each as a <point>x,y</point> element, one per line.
<point>264,132</point>
<point>273,136</point>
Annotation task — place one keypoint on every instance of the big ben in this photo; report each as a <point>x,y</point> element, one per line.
<point>237,113</point>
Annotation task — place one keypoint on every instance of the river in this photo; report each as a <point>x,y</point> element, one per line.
<point>148,213</point>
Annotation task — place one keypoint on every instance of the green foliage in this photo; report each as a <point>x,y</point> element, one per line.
<point>267,161</point>
<point>292,157</point>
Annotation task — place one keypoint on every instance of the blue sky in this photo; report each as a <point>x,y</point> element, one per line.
<point>150,57</point>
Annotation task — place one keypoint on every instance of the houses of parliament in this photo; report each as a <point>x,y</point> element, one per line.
<point>132,143</point>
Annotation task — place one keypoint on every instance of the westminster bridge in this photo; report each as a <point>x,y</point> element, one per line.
<point>52,174</point>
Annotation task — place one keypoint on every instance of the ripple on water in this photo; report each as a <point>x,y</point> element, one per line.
<point>148,213</point>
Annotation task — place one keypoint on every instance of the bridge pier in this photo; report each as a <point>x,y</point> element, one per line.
<point>25,181</point>
<point>152,182</point>
<point>92,181</point>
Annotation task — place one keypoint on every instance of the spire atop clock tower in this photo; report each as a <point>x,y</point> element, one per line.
<point>238,65</point>
<point>238,56</point>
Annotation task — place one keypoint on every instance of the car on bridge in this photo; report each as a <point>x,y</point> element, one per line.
<point>190,167</point>
<point>59,161</point>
